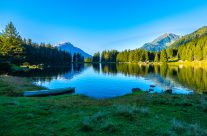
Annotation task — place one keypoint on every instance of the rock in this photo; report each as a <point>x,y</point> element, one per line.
<point>151,89</point>
<point>205,93</point>
<point>152,86</point>
<point>136,90</point>
<point>169,91</point>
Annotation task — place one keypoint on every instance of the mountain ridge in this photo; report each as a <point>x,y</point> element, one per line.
<point>69,47</point>
<point>161,43</point>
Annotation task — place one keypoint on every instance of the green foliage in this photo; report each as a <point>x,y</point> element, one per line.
<point>96,57</point>
<point>163,56</point>
<point>26,64</point>
<point>137,55</point>
<point>123,56</point>
<point>11,44</point>
<point>190,47</point>
<point>194,50</point>
<point>156,57</point>
<point>15,50</point>
<point>45,54</point>
<point>190,37</point>
<point>78,58</point>
<point>88,60</point>
<point>146,56</point>
<point>169,52</point>
<point>109,56</point>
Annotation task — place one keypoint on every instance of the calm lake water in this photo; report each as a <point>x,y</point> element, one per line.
<point>111,80</point>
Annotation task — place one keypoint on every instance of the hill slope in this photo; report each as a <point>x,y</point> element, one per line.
<point>188,38</point>
<point>68,47</point>
<point>161,42</point>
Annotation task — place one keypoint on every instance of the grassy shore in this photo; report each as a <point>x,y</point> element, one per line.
<point>14,86</point>
<point>134,114</point>
<point>202,64</point>
<point>174,62</point>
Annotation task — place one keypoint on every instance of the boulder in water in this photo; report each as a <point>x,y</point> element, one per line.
<point>169,91</point>
<point>136,90</point>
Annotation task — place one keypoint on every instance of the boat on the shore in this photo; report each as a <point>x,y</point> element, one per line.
<point>49,92</point>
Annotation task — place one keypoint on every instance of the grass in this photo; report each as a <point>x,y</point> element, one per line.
<point>14,86</point>
<point>183,128</point>
<point>133,114</point>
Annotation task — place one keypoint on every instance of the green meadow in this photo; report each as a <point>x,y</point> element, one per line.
<point>139,113</point>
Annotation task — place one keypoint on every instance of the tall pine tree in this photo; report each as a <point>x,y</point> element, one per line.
<point>11,45</point>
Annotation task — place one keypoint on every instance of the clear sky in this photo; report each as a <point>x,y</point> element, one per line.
<point>95,25</point>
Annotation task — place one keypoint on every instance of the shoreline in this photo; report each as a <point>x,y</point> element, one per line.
<point>74,114</point>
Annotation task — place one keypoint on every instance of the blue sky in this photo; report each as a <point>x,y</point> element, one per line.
<point>95,25</point>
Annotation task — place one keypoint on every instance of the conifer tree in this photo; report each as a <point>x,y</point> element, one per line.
<point>11,44</point>
<point>163,56</point>
<point>156,58</point>
<point>146,56</point>
<point>96,57</point>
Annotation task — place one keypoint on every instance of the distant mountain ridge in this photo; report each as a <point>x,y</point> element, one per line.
<point>161,43</point>
<point>68,47</point>
<point>188,38</point>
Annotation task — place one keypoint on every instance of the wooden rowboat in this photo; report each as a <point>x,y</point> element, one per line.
<point>49,92</point>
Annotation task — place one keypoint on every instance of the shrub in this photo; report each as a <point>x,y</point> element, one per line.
<point>130,111</point>
<point>108,126</point>
<point>90,123</point>
<point>182,128</point>
<point>203,104</point>
<point>26,64</point>
<point>86,125</point>
<point>178,126</point>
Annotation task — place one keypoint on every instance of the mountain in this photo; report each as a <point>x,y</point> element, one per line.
<point>188,38</point>
<point>161,42</point>
<point>68,47</point>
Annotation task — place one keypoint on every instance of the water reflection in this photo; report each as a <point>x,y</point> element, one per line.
<point>164,75</point>
<point>48,74</point>
<point>109,80</point>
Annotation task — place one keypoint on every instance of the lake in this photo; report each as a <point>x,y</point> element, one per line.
<point>111,80</point>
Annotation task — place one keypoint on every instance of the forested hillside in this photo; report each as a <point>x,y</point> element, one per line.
<point>196,49</point>
<point>15,50</point>
<point>188,38</point>
<point>44,54</point>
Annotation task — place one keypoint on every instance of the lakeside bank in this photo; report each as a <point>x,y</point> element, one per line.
<point>139,113</point>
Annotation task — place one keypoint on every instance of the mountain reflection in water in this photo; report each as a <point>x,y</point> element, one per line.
<point>110,80</point>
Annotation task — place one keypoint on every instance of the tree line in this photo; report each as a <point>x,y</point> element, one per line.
<point>193,50</point>
<point>15,50</point>
<point>137,55</point>
<point>192,47</point>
